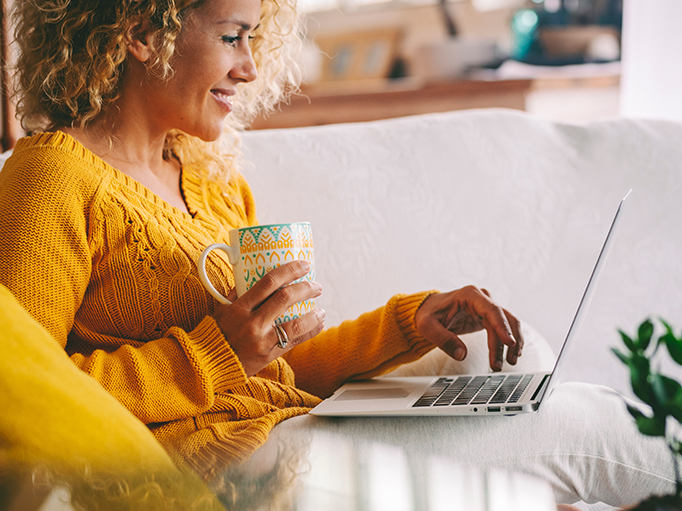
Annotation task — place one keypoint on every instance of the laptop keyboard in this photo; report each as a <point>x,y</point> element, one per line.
<point>475,390</point>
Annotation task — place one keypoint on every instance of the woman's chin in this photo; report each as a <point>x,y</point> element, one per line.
<point>207,134</point>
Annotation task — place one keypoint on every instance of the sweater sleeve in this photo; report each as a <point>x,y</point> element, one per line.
<point>45,262</point>
<point>369,346</point>
<point>44,253</point>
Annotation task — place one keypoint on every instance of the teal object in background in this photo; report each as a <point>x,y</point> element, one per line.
<point>524,25</point>
<point>529,24</point>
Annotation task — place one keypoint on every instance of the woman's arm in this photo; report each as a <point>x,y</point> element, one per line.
<point>402,331</point>
<point>369,346</point>
<point>45,261</point>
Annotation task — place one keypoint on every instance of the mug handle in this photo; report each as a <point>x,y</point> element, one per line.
<point>232,256</point>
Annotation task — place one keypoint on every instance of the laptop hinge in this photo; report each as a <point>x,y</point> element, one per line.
<point>541,387</point>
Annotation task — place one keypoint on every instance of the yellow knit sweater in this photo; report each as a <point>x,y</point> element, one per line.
<point>109,269</point>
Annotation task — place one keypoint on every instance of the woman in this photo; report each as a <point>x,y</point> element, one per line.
<point>108,206</point>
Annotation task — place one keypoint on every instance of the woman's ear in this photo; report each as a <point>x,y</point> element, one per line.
<point>140,41</point>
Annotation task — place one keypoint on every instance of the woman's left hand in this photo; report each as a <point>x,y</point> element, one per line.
<point>444,316</point>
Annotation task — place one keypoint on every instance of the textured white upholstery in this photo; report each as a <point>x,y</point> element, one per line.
<point>509,202</point>
<point>494,198</point>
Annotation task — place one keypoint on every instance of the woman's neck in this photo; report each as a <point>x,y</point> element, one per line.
<point>137,153</point>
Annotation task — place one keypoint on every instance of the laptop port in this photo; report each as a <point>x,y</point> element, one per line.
<point>493,408</point>
<point>514,408</point>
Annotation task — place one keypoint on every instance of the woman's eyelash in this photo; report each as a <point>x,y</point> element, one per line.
<point>233,39</point>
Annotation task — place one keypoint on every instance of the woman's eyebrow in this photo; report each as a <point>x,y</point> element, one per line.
<point>242,25</point>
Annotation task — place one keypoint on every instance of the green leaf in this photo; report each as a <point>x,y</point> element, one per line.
<point>667,326</point>
<point>642,391</point>
<point>667,391</point>
<point>642,364</point>
<point>622,356</point>
<point>674,346</point>
<point>661,393</point>
<point>651,426</point>
<point>627,341</point>
<point>675,411</point>
<point>644,333</point>
<point>639,379</point>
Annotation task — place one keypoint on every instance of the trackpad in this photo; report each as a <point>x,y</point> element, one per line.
<point>385,393</point>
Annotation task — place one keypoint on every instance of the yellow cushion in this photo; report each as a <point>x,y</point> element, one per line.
<point>54,411</point>
<point>54,416</point>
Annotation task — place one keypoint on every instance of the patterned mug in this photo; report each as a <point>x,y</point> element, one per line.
<point>254,251</point>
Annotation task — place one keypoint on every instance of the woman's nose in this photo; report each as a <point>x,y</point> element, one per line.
<point>245,69</point>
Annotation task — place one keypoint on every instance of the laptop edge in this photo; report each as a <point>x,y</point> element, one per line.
<point>399,396</point>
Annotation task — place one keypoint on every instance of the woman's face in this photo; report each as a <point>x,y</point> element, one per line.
<point>212,57</point>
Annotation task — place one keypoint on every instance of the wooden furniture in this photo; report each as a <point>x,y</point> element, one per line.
<point>372,100</point>
<point>11,129</point>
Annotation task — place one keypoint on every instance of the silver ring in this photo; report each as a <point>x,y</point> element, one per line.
<point>282,337</point>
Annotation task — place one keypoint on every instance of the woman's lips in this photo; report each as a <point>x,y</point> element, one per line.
<point>224,99</point>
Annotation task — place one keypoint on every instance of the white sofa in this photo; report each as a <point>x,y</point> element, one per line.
<point>495,198</point>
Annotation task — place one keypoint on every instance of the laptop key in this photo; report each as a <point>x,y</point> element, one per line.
<point>470,390</point>
<point>488,389</point>
<point>506,389</point>
<point>520,389</point>
<point>452,391</point>
<point>433,392</point>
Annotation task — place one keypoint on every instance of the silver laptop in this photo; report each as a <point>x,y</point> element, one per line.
<point>470,394</point>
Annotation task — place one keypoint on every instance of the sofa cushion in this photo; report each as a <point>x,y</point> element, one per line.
<point>54,412</point>
<point>59,421</point>
<point>495,198</point>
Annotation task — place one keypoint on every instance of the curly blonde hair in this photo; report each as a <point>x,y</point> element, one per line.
<point>72,56</point>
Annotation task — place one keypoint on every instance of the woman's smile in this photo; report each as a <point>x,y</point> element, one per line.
<point>212,58</point>
<point>223,97</point>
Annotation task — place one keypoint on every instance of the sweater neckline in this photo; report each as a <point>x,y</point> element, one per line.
<point>63,141</point>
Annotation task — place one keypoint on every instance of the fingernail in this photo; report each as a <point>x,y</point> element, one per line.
<point>321,314</point>
<point>318,287</point>
<point>459,353</point>
<point>305,265</point>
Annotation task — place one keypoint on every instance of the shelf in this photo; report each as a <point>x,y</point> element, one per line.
<point>382,99</point>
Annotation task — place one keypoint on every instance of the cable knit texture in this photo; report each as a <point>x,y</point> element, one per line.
<point>109,269</point>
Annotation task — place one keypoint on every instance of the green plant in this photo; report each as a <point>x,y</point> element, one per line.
<point>662,394</point>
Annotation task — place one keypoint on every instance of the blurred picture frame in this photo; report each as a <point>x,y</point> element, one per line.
<point>358,55</point>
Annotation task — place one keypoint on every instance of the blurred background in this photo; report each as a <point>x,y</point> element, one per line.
<point>567,60</point>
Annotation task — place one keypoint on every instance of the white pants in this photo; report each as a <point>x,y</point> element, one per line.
<point>582,441</point>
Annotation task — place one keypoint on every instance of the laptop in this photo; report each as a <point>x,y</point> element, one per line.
<point>469,394</point>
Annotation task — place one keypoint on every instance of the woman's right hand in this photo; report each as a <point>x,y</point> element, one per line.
<point>248,322</point>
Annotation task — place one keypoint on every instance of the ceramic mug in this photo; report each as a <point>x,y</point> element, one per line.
<point>254,251</point>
